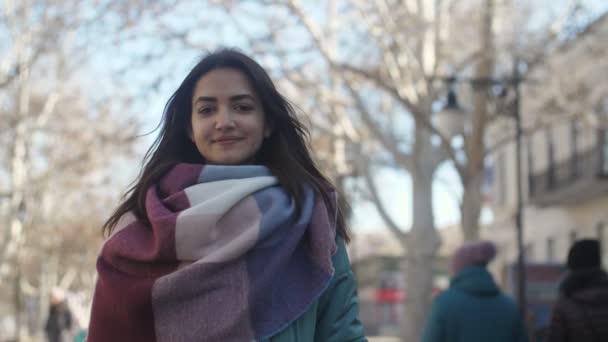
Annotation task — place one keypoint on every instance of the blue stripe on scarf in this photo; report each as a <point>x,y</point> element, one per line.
<point>288,292</point>
<point>212,173</point>
<point>278,210</point>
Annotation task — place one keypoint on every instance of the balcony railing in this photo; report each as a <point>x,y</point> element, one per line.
<point>583,176</point>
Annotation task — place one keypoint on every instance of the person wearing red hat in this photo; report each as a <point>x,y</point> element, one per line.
<point>473,308</point>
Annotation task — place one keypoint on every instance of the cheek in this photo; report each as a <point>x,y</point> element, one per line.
<point>199,131</point>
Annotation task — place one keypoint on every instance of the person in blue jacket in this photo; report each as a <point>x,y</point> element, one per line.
<point>473,308</point>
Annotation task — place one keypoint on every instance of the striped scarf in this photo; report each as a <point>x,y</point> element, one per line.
<point>226,257</point>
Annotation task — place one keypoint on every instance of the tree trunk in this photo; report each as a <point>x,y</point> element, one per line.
<point>13,234</point>
<point>471,207</point>
<point>18,152</point>
<point>423,244</point>
<point>472,201</point>
<point>43,298</point>
<point>18,306</point>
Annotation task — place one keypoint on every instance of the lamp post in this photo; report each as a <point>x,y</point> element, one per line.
<point>453,122</point>
<point>521,279</point>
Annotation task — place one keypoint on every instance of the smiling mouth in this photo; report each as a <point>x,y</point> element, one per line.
<point>227,141</point>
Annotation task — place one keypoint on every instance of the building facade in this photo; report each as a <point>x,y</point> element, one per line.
<point>565,156</point>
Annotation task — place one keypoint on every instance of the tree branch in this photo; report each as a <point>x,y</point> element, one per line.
<point>420,118</point>
<point>438,156</point>
<point>9,77</point>
<point>314,30</point>
<point>392,225</point>
<point>448,186</point>
<point>404,159</point>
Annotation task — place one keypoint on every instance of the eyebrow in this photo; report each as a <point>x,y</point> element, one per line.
<point>232,98</point>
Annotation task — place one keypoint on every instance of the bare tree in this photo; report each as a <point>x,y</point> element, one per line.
<point>59,145</point>
<point>401,52</point>
<point>375,66</point>
<point>365,71</point>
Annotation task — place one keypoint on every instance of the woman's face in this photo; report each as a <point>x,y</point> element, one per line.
<point>228,123</point>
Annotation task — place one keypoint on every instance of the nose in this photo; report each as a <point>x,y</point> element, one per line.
<point>224,119</point>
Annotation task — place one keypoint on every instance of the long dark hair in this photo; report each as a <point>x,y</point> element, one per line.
<point>285,152</point>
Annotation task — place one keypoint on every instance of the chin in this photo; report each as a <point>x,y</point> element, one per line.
<point>231,161</point>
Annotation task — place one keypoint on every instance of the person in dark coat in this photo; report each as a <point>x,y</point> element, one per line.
<point>473,308</point>
<point>59,322</point>
<point>581,311</point>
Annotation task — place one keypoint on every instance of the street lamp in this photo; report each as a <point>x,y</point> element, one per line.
<point>455,125</point>
<point>450,121</point>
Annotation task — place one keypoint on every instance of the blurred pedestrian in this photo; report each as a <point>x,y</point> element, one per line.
<point>473,308</point>
<point>581,311</point>
<point>59,323</point>
<point>231,232</point>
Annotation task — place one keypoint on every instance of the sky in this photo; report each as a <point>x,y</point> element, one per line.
<point>395,186</point>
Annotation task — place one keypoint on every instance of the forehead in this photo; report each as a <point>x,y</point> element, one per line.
<point>223,82</point>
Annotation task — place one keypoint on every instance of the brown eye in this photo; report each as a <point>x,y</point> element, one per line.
<point>205,110</point>
<point>243,107</point>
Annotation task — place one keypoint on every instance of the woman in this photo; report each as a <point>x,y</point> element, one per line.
<point>231,233</point>
<point>581,311</point>
<point>473,308</point>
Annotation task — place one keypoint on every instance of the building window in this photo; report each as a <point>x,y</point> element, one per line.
<point>550,249</point>
<point>488,184</point>
<point>550,158</point>
<point>599,232</point>
<point>501,186</point>
<point>530,157</point>
<point>603,151</point>
<point>574,132</point>
<point>529,252</point>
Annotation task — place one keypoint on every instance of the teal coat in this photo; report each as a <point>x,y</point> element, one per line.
<point>334,317</point>
<point>473,309</point>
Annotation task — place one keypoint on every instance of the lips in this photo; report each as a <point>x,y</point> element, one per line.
<point>227,140</point>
